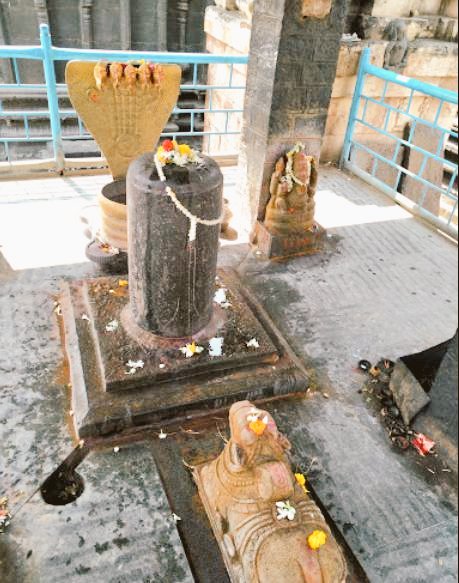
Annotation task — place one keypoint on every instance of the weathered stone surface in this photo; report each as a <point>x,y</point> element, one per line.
<point>316,8</point>
<point>246,7</point>
<point>125,120</point>
<point>280,246</point>
<point>428,139</point>
<point>440,420</point>
<point>226,4</point>
<point>172,279</point>
<point>408,393</point>
<point>106,400</point>
<point>240,490</point>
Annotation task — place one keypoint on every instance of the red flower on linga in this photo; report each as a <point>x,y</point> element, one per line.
<point>168,145</point>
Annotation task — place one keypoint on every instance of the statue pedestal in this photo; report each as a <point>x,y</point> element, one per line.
<point>276,246</point>
<point>107,400</point>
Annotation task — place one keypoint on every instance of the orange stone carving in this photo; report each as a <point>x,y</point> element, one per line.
<point>291,207</point>
<point>242,490</point>
<point>316,8</point>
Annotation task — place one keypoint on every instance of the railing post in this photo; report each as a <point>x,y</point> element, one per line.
<point>364,62</point>
<point>51,91</point>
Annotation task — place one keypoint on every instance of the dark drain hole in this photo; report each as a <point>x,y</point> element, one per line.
<point>62,487</point>
<point>65,484</point>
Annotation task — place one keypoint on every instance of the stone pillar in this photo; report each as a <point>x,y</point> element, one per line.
<point>172,280</point>
<point>125,24</point>
<point>86,23</point>
<point>293,57</point>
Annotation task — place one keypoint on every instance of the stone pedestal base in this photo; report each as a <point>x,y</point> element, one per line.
<point>276,246</point>
<point>106,399</point>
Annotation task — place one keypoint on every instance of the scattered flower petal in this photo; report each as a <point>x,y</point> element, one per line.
<point>221,299</point>
<point>162,435</point>
<point>423,444</point>
<point>133,366</point>
<point>57,309</point>
<point>257,425</point>
<point>116,449</point>
<point>253,343</point>
<point>106,248</point>
<point>112,326</point>
<point>285,511</point>
<point>176,518</point>
<point>123,283</point>
<point>317,539</point>
<point>216,346</point>
<point>162,365</point>
<point>301,481</point>
<point>85,317</point>
<point>81,443</point>
<point>191,349</point>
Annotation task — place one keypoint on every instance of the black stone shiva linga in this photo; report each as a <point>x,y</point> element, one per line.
<point>180,338</point>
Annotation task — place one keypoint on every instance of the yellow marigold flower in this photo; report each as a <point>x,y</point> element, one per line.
<point>175,144</point>
<point>184,150</point>
<point>123,283</point>
<point>258,427</point>
<point>301,481</point>
<point>317,539</point>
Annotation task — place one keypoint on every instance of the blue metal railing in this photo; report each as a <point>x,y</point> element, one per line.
<point>408,163</point>
<point>48,54</point>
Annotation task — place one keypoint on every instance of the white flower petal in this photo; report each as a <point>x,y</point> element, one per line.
<point>216,346</point>
<point>112,326</point>
<point>253,343</point>
<point>220,296</point>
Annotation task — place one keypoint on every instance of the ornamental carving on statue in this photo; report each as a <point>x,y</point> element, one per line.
<point>268,528</point>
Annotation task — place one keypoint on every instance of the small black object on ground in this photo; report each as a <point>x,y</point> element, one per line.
<point>65,485</point>
<point>110,260</point>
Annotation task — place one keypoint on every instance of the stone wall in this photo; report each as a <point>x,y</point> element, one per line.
<point>432,58</point>
<point>154,25</point>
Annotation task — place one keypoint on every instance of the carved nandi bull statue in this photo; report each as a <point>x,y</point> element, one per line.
<point>267,527</point>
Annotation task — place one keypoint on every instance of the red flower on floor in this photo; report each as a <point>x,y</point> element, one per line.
<point>423,444</point>
<point>168,145</point>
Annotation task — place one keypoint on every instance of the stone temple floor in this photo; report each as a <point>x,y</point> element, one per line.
<point>386,287</point>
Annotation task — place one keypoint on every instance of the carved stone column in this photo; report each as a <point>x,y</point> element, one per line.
<point>6,73</point>
<point>41,9</point>
<point>125,24</point>
<point>293,59</point>
<point>87,36</point>
<point>182,9</point>
<point>160,25</point>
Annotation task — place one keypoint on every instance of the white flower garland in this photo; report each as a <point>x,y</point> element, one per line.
<point>290,177</point>
<point>194,220</point>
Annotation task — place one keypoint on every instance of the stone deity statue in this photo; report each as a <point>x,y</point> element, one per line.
<point>268,528</point>
<point>290,209</point>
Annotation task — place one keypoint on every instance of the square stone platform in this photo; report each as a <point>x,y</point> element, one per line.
<point>275,246</point>
<point>107,399</point>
